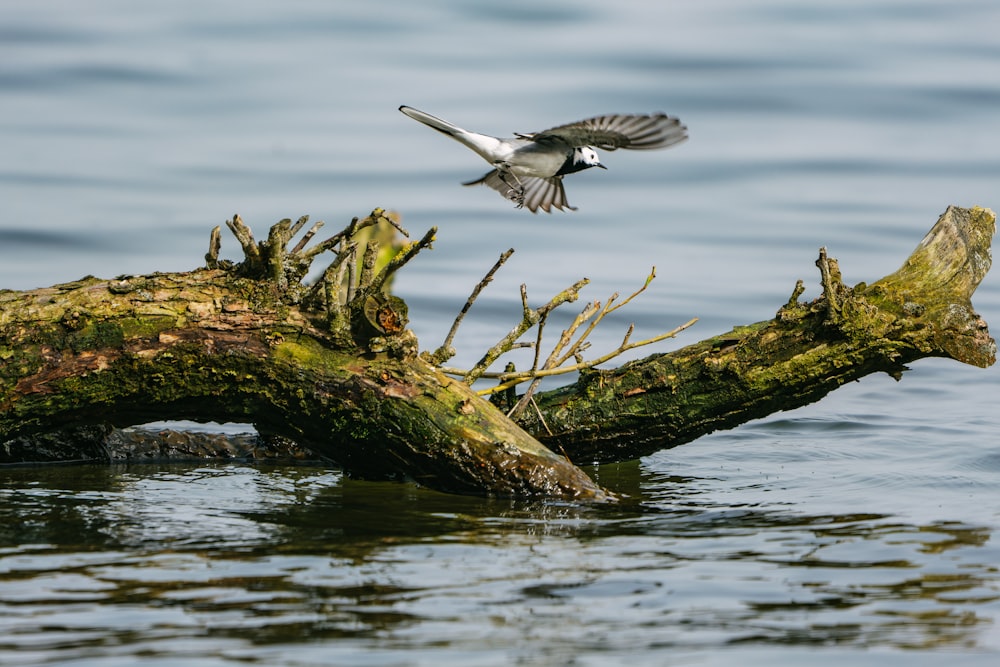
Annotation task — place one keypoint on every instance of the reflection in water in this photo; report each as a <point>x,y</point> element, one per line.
<point>233,559</point>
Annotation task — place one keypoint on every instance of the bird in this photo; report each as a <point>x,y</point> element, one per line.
<point>528,168</point>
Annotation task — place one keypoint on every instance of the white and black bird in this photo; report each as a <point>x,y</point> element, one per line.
<point>528,168</point>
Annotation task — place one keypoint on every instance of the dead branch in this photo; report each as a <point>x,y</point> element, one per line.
<point>445,351</point>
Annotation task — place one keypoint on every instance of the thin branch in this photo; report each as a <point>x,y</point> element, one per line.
<point>333,277</point>
<point>214,247</point>
<point>525,308</point>
<point>391,219</point>
<point>552,360</point>
<point>528,396</point>
<point>307,237</point>
<point>793,300</point>
<point>829,290</point>
<point>530,317</point>
<point>243,234</point>
<point>650,278</point>
<point>628,334</point>
<point>580,344</point>
<point>570,294</point>
<point>541,419</point>
<point>368,265</point>
<point>297,227</point>
<point>506,343</point>
<point>351,268</point>
<point>446,351</point>
<point>538,340</point>
<point>408,252</point>
<point>331,283</point>
<point>376,216</point>
<point>512,379</point>
<point>488,375</point>
<point>274,251</point>
<point>334,240</point>
<point>609,308</point>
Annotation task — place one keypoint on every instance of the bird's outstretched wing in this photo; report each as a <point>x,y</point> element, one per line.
<point>539,193</point>
<point>614,131</point>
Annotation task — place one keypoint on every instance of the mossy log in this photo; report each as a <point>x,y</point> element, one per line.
<point>809,349</point>
<point>336,371</point>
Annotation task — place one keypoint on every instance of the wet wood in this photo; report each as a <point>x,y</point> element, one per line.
<point>809,349</point>
<point>332,368</point>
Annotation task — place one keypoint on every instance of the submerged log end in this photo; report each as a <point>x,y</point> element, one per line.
<point>445,436</point>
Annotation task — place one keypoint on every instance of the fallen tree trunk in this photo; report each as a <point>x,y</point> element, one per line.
<point>809,349</point>
<point>336,371</point>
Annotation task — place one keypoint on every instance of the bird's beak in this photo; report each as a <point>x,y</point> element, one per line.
<point>601,165</point>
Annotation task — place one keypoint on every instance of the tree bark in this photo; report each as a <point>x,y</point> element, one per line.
<point>922,310</point>
<point>340,374</point>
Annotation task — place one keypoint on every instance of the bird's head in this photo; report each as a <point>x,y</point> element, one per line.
<point>587,157</point>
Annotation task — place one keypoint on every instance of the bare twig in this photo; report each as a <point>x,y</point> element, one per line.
<point>557,357</point>
<point>565,348</point>
<point>800,287</point>
<point>333,278</point>
<point>214,247</point>
<point>552,360</point>
<point>650,278</point>
<point>829,272</point>
<point>376,216</point>
<point>368,265</point>
<point>408,252</point>
<point>541,418</point>
<point>446,351</point>
<point>391,219</point>
<point>331,283</point>
<point>512,379</point>
<point>297,227</point>
<point>570,294</point>
<point>351,268</point>
<point>274,252</point>
<point>307,237</point>
<point>538,340</point>
<point>568,334</point>
<point>530,317</point>
<point>609,308</point>
<point>243,234</point>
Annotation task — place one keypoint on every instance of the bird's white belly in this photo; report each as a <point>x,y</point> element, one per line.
<point>535,160</point>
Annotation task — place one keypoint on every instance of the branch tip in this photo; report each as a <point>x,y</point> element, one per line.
<point>214,247</point>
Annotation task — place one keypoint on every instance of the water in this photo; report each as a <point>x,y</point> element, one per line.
<point>861,529</point>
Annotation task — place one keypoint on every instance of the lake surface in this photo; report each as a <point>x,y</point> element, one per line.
<point>860,530</point>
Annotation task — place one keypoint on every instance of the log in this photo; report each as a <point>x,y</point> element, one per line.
<point>809,349</point>
<point>331,366</point>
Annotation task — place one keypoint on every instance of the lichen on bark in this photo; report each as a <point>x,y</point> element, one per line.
<point>332,367</point>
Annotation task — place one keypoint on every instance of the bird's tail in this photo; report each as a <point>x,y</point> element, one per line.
<point>432,121</point>
<point>489,148</point>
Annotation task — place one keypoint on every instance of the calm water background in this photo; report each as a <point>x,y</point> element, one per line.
<point>862,529</point>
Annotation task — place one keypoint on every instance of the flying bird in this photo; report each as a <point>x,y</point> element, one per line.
<point>528,169</point>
